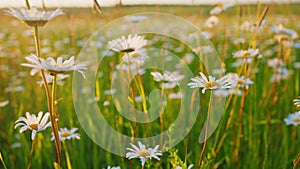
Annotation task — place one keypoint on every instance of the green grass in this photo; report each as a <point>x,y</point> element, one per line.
<point>265,143</point>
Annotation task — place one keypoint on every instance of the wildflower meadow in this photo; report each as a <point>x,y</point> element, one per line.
<point>150,86</point>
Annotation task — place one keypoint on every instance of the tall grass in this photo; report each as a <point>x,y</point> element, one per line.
<point>265,140</point>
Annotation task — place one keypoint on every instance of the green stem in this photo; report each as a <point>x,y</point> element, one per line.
<point>161,118</point>
<point>67,155</point>
<point>2,161</point>
<point>141,89</point>
<point>37,40</point>
<point>206,132</point>
<point>142,92</point>
<point>240,114</point>
<point>55,131</point>
<point>31,154</point>
<point>55,117</point>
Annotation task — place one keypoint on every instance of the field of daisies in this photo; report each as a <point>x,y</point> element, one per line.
<point>258,80</point>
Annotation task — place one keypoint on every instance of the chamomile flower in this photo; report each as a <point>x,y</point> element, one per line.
<point>240,62</point>
<point>66,134</point>
<point>4,103</point>
<point>189,167</point>
<point>177,95</point>
<point>142,153</point>
<point>282,73</point>
<point>135,18</point>
<point>211,83</point>
<point>136,57</point>
<point>168,85</point>
<point>109,167</point>
<point>225,93</point>
<point>14,89</point>
<point>53,67</point>
<point>293,119</point>
<point>49,79</point>
<point>167,76</point>
<point>129,44</point>
<point>219,8</point>
<point>282,32</point>
<point>297,102</point>
<point>248,26</point>
<point>274,63</point>
<point>249,53</point>
<point>241,81</point>
<point>33,16</point>
<point>211,22</point>
<point>33,123</point>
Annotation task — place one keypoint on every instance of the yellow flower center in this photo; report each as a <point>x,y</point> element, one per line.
<point>135,55</point>
<point>240,82</point>
<point>245,53</point>
<point>34,126</point>
<point>219,6</point>
<point>296,120</point>
<point>212,84</point>
<point>144,153</point>
<point>35,22</point>
<point>65,134</point>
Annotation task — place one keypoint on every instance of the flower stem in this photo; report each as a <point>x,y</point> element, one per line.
<point>54,129</point>
<point>54,117</point>
<point>240,114</point>
<point>31,154</point>
<point>67,155</point>
<point>27,4</point>
<point>206,132</point>
<point>161,118</point>
<point>2,161</point>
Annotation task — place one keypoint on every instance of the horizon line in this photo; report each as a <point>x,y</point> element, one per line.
<point>88,4</point>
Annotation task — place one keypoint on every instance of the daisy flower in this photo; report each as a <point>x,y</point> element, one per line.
<point>241,81</point>
<point>248,26</point>
<point>167,76</point>
<point>274,63</point>
<point>211,83</point>
<point>129,44</point>
<point>49,79</point>
<point>136,18</point>
<point>137,57</point>
<point>33,123</point>
<point>168,85</point>
<point>53,67</point>
<point>143,153</point>
<point>14,89</point>
<point>281,31</point>
<point>246,53</point>
<point>4,103</point>
<point>66,134</point>
<point>219,8</point>
<point>293,119</point>
<point>189,167</point>
<point>211,22</point>
<point>282,73</point>
<point>225,93</point>
<point>33,16</point>
<point>109,167</point>
<point>177,95</point>
<point>297,102</point>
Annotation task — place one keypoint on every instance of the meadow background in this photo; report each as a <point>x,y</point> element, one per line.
<point>267,142</point>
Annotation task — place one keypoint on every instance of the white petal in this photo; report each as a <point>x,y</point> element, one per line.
<point>22,129</point>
